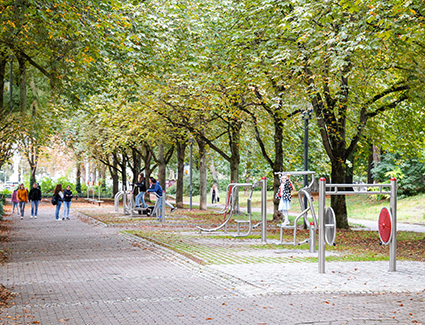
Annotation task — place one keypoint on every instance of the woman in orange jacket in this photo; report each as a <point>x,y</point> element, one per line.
<point>22,196</point>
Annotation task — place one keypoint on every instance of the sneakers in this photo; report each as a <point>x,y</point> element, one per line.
<point>22,217</point>
<point>57,219</point>
<point>31,217</point>
<point>173,209</point>
<point>67,218</point>
<point>35,217</point>
<point>63,218</point>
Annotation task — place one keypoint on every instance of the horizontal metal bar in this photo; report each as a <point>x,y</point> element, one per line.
<point>358,185</point>
<point>295,173</point>
<point>357,192</point>
<point>241,184</point>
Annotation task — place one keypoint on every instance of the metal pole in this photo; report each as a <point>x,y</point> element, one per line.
<point>264,210</point>
<point>306,117</point>
<point>322,204</point>
<point>163,206</point>
<point>191,169</point>
<point>393,207</point>
<point>11,84</point>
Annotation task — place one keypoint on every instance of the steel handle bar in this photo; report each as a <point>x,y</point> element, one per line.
<point>358,185</point>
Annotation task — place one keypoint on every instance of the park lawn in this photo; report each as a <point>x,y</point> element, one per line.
<point>219,248</point>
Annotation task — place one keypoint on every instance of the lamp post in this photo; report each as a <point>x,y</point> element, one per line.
<point>191,168</point>
<point>306,118</point>
<point>11,83</point>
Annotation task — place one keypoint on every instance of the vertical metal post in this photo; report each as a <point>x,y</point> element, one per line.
<point>163,206</point>
<point>264,210</point>
<point>124,199</point>
<point>306,116</point>
<point>191,169</point>
<point>393,207</point>
<point>322,204</point>
<point>11,84</point>
<point>312,241</point>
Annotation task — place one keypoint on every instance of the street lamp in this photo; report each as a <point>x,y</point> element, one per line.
<point>11,83</point>
<point>191,168</point>
<point>306,118</point>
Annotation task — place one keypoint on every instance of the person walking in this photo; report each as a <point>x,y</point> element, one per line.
<point>141,184</point>
<point>58,195</point>
<point>22,196</point>
<point>15,202</point>
<point>284,194</point>
<point>67,197</point>
<point>214,194</point>
<point>34,197</point>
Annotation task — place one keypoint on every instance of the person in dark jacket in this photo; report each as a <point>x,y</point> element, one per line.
<point>141,184</point>
<point>67,197</point>
<point>34,197</point>
<point>58,194</point>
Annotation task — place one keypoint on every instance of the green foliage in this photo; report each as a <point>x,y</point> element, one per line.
<point>408,172</point>
<point>1,211</point>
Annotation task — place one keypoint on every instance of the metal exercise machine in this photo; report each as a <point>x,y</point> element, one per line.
<point>387,221</point>
<point>307,215</point>
<point>230,209</point>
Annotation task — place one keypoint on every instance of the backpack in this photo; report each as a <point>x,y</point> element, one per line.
<point>54,200</point>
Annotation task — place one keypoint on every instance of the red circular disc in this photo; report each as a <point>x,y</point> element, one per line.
<point>384,225</point>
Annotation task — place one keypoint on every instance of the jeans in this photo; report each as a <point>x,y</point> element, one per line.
<point>139,199</point>
<point>22,207</point>
<point>34,208</point>
<point>66,206</point>
<point>15,205</point>
<point>159,211</point>
<point>58,208</point>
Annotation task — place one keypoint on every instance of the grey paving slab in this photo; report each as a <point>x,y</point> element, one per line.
<point>75,272</point>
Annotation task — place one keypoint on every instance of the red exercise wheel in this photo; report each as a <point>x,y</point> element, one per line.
<point>384,225</point>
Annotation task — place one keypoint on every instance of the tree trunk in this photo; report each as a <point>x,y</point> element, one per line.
<point>181,147</point>
<point>202,175</point>
<point>338,201</point>
<point>124,172</point>
<point>162,166</point>
<point>235,158</point>
<point>147,158</point>
<point>135,167</point>
<point>370,166</point>
<point>22,85</point>
<point>78,176</point>
<point>3,62</point>
<point>114,175</point>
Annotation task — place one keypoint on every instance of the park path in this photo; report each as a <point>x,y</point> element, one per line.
<point>80,272</point>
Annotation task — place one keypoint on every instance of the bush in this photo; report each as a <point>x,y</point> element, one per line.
<point>409,173</point>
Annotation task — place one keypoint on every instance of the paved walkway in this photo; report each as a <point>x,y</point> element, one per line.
<point>79,272</point>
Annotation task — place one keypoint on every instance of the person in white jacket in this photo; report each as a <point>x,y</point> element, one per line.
<point>284,194</point>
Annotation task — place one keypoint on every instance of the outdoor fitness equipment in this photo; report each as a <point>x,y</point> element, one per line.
<point>230,208</point>
<point>229,198</point>
<point>387,222</point>
<point>92,188</point>
<point>307,215</point>
<point>127,201</point>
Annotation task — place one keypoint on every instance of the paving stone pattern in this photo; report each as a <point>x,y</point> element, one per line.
<point>75,272</point>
